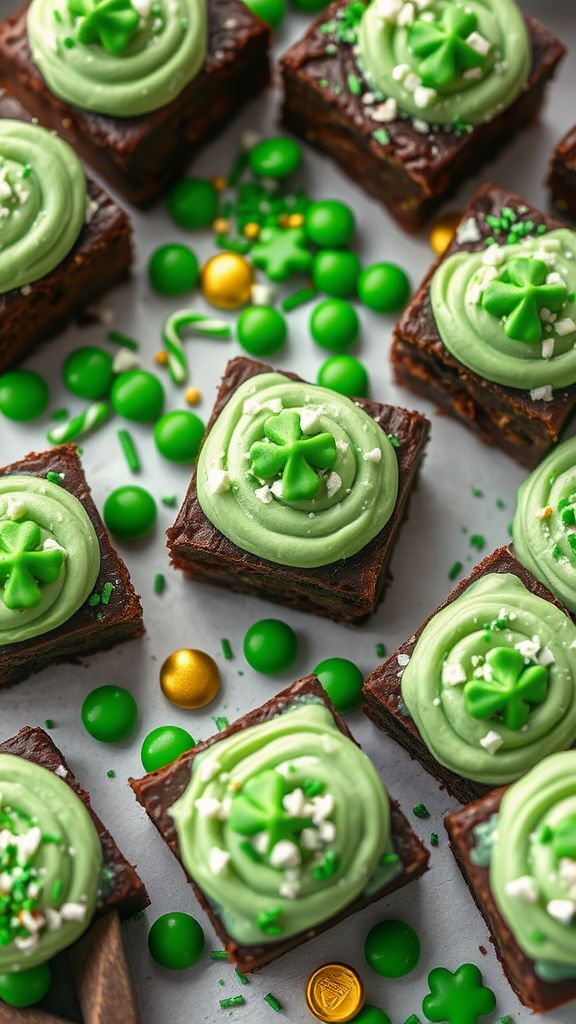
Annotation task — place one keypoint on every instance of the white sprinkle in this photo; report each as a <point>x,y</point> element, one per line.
<point>555,278</point>
<point>400,71</point>
<point>15,508</point>
<point>374,455</point>
<point>333,484</point>
<point>424,97</point>
<point>473,74</point>
<point>208,807</point>
<point>385,112</point>
<point>262,294</point>
<point>493,256</point>
<point>468,231</point>
<point>142,7</point>
<point>548,348</point>
<point>546,657</point>
<point>478,43</point>
<point>453,673</point>
<point>492,741</point>
<point>218,480</point>
<point>289,889</point>
<point>543,394</point>
<point>389,10</point>
<point>403,660</point>
<point>523,888</point>
<point>327,831</point>
<point>264,494</point>
<point>528,648</point>
<point>208,768</point>
<point>311,839</point>
<point>125,360</point>
<point>251,407</point>
<point>562,910</point>
<point>218,860</point>
<point>61,771</point>
<point>309,419</point>
<point>294,802</point>
<point>565,326</point>
<point>73,911</point>
<point>285,854</point>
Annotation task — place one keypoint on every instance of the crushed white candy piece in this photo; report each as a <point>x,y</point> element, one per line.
<point>218,480</point>
<point>208,807</point>
<point>218,860</point>
<point>403,660</point>
<point>389,10</point>
<point>293,803</point>
<point>400,71</point>
<point>264,494</point>
<point>374,455</point>
<point>424,97</point>
<point>285,854</point>
<point>528,648</point>
<point>542,394</point>
<point>479,43</point>
<point>309,418</point>
<point>493,256</point>
<point>311,839</point>
<point>546,657</point>
<point>73,911</point>
<point>468,231</point>
<point>523,888</point>
<point>342,446</point>
<point>125,360</point>
<point>385,112</point>
<point>15,508</point>
<point>321,807</point>
<point>453,673</point>
<point>565,326</point>
<point>277,489</point>
<point>208,768</point>
<point>333,484</point>
<point>262,294</point>
<point>289,889</point>
<point>327,831</point>
<point>492,741</point>
<point>562,910</point>
<point>548,348</point>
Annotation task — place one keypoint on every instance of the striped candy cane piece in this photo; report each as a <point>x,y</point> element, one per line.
<point>197,323</point>
<point>80,425</point>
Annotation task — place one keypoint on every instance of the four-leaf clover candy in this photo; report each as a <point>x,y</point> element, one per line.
<point>259,808</point>
<point>293,456</point>
<point>24,563</point>
<point>508,687</point>
<point>444,48</point>
<point>281,252</point>
<point>112,23</point>
<point>458,997</point>
<point>519,294</point>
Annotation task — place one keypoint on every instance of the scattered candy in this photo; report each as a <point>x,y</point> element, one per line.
<point>123,340</point>
<point>384,287</point>
<point>88,373</point>
<point>328,980</point>
<point>189,679</point>
<point>227,280</point>
<point>178,435</point>
<point>163,745</point>
<point>342,680</point>
<point>372,1015</point>
<point>392,949</point>
<point>197,323</point>
<point>109,714</point>
<point>193,203</point>
<point>270,11</point>
<point>138,395</point>
<point>459,997</point>
<point>345,375</point>
<point>23,395</point>
<point>129,512</point>
<point>443,231</point>
<point>276,157</point>
<point>192,396</point>
<point>161,358</point>
<point>334,325</point>
<point>299,298</point>
<point>270,646</point>
<point>80,425</point>
<point>129,450</point>
<point>25,987</point>
<point>329,223</point>
<point>273,1003</point>
<point>261,330</point>
<point>176,941</point>
<point>281,252</point>
<point>336,272</point>
<point>173,269</point>
<point>159,583</point>
<point>231,1002</point>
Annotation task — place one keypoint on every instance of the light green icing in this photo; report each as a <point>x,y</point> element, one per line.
<point>472,58</point>
<point>64,525</point>
<point>484,839</point>
<point>479,340</point>
<point>356,496</point>
<point>495,612</point>
<point>62,862</point>
<point>42,202</point>
<point>165,54</point>
<point>544,527</point>
<point>530,812</point>
<point>299,748</point>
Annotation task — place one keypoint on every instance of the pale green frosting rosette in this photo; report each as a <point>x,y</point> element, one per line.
<point>491,683</point>
<point>49,557</point>
<point>51,857</point>
<point>116,57</point>
<point>284,824</point>
<point>533,871</point>
<point>446,61</point>
<point>508,312</point>
<point>544,526</point>
<point>42,202</point>
<point>295,473</point>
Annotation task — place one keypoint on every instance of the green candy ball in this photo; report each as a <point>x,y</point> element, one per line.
<point>336,272</point>
<point>129,512</point>
<point>334,325</point>
<point>26,987</point>
<point>392,949</point>
<point>23,395</point>
<point>275,158</point>
<point>270,646</point>
<point>163,745</point>
<point>261,330</point>
<point>310,6</point>
<point>270,11</point>
<point>178,435</point>
<point>138,395</point>
<point>345,375</point>
<point>342,680</point>
<point>371,1015</point>
<point>88,373</point>
<point>173,269</point>
<point>384,287</point>
<point>176,941</point>
<point>193,203</point>
<point>329,223</point>
<point>109,714</point>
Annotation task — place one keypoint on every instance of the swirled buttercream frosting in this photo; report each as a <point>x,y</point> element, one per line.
<point>295,473</point>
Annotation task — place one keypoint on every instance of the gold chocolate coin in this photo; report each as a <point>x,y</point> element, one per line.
<point>335,992</point>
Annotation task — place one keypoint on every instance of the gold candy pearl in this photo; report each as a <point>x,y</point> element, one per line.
<point>227,280</point>
<point>219,182</point>
<point>193,396</point>
<point>443,231</point>
<point>161,358</point>
<point>189,679</point>
<point>221,226</point>
<point>252,230</point>
<point>335,993</point>
<point>295,220</point>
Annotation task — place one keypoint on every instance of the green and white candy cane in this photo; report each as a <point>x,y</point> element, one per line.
<point>186,320</point>
<point>80,425</point>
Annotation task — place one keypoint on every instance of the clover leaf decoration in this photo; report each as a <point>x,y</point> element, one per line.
<point>24,563</point>
<point>518,294</point>
<point>281,252</point>
<point>258,808</point>
<point>293,455</point>
<point>112,23</point>
<point>458,997</point>
<point>443,48</point>
<point>510,692</point>
<point>564,838</point>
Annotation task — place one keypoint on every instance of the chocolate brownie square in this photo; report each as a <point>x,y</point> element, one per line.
<point>158,791</point>
<point>562,174</point>
<point>141,156</point>
<point>347,590</point>
<point>112,615</point>
<point>508,418</point>
<point>408,165</point>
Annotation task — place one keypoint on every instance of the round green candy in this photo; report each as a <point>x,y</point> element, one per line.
<point>275,158</point>
<point>270,646</point>
<point>270,11</point>
<point>176,941</point>
<point>329,223</point>
<point>138,395</point>
<point>178,435</point>
<point>173,269</point>
<point>345,375</point>
<point>193,203</point>
<point>342,680</point>
<point>392,949</point>
<point>109,714</point>
<point>336,272</point>
<point>310,6</point>
<point>163,745</point>
<point>129,512</point>
<point>261,330</point>
<point>371,1015</point>
<point>23,395</point>
<point>334,325</point>
<point>88,373</point>
<point>384,287</point>
<point>26,987</point>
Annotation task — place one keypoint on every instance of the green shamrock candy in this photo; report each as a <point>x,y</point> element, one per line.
<point>564,838</point>
<point>112,23</point>
<point>22,564</point>
<point>281,252</point>
<point>442,48</point>
<point>459,997</point>
<point>295,456</point>
<point>511,691</point>
<point>258,807</point>
<point>518,294</point>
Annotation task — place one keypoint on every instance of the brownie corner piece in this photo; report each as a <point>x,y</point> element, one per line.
<point>113,615</point>
<point>562,174</point>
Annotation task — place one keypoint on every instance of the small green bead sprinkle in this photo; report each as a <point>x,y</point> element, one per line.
<point>93,600</point>
<point>227,649</point>
<point>107,591</point>
<point>129,450</point>
<point>537,936</point>
<point>60,414</point>
<point>434,841</point>
<point>394,440</point>
<point>506,1019</point>
<point>546,834</point>
<point>354,85</point>
<point>170,501</point>
<point>541,229</point>
<point>49,723</point>
<point>477,492</point>
<point>241,977</point>
<point>218,954</point>
<point>56,890</point>
<point>478,541</point>
<point>159,583</point>
<point>500,503</point>
<point>54,478</point>
<point>232,1001</point>
<point>421,811</point>
<point>567,516</point>
<point>273,1002</point>
<point>412,1019</point>
<point>299,298</point>
<point>380,650</point>
<point>381,136</point>
<point>221,722</point>
<point>455,570</point>
<point>123,339</point>
<point>111,773</point>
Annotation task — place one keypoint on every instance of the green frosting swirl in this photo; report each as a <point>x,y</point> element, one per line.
<point>451,61</point>
<point>284,824</point>
<point>509,312</point>
<point>491,683</point>
<point>533,870</point>
<point>49,557</point>
<point>91,56</point>
<point>42,202</point>
<point>544,527</point>
<point>50,862</point>
<point>296,473</point>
